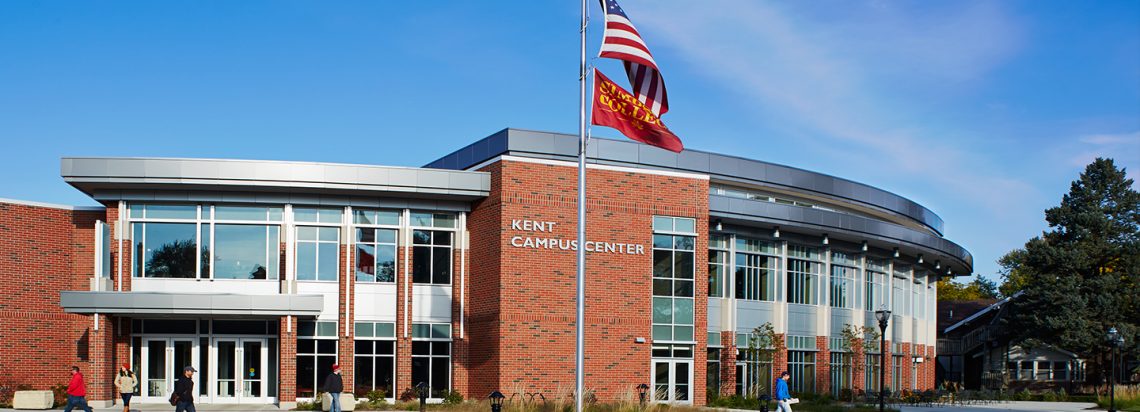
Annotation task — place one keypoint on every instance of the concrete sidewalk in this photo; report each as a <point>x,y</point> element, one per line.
<point>1019,406</point>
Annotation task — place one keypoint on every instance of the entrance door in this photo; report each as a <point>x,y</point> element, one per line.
<point>672,380</point>
<point>163,361</point>
<point>239,367</point>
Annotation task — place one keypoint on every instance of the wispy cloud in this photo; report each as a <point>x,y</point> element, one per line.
<point>1123,147</point>
<point>847,79</point>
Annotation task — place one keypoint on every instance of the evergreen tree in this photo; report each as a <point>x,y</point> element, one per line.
<point>1080,277</point>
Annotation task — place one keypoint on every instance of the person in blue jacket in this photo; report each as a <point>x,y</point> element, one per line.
<point>781,393</point>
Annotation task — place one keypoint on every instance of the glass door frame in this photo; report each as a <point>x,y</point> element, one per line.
<point>672,381</point>
<point>239,367</point>
<point>173,371</point>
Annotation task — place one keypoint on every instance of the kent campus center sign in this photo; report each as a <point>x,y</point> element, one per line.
<point>539,234</point>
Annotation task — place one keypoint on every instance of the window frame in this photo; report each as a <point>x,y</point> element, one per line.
<point>357,228</point>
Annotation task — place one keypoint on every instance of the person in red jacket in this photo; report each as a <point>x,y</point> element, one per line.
<point>76,392</point>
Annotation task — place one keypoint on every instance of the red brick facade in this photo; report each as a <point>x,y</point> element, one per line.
<point>525,316</point>
<point>44,250</point>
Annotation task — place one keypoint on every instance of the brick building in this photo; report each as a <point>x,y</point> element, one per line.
<point>460,275</point>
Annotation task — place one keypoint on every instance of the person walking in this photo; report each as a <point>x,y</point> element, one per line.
<point>125,383</point>
<point>184,389</point>
<point>783,397</point>
<point>76,392</point>
<point>334,385</point>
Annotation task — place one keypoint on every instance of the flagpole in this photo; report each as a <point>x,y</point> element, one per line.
<point>580,349</point>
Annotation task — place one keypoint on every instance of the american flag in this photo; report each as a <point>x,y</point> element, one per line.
<point>621,41</point>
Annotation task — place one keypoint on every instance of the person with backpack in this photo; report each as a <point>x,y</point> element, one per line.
<point>183,396</point>
<point>126,383</point>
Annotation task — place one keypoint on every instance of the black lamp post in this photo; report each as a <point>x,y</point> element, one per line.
<point>883,315</point>
<point>422,390</point>
<point>1115,340</point>
<point>496,401</point>
<point>642,390</point>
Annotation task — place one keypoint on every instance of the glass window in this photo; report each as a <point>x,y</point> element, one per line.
<point>801,366</point>
<point>375,255</point>
<point>875,285</point>
<point>755,275</point>
<point>151,211</point>
<point>315,358</point>
<point>431,358</point>
<point>317,215</point>
<point>375,368</point>
<point>165,250</point>
<point>899,304</point>
<point>753,375</point>
<point>718,265</point>
<point>896,372</point>
<point>318,254</point>
<point>247,213</point>
<point>1060,371</point>
<point>673,283</point>
<point>872,370</point>
<point>245,251</point>
<point>376,217</point>
<point>803,275</point>
<point>431,257</point>
<point>712,371</point>
<point>842,286</point>
<point>840,367</point>
<point>431,219</point>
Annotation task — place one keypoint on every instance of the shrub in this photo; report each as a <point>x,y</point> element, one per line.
<point>409,395</point>
<point>376,396</point>
<point>8,390</point>
<point>846,395</point>
<point>452,398</point>
<point>60,392</point>
<point>1022,395</point>
<point>308,406</point>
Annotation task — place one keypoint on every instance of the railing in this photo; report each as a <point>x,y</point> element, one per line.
<point>949,347</point>
<point>976,337</point>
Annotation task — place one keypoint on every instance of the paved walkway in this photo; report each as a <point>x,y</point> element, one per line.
<point>1020,406</point>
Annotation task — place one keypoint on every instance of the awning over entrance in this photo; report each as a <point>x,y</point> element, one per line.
<point>159,303</point>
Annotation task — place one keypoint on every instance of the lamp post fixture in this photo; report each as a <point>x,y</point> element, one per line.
<point>642,390</point>
<point>1115,341</point>
<point>883,315</point>
<point>496,401</point>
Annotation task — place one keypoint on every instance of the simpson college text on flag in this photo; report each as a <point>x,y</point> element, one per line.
<point>615,107</point>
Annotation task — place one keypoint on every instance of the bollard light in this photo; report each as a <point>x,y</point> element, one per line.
<point>496,401</point>
<point>764,402</point>
<point>642,390</point>
<point>422,390</point>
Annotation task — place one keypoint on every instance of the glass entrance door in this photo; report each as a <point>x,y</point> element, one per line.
<point>239,370</point>
<point>671,380</point>
<point>163,360</point>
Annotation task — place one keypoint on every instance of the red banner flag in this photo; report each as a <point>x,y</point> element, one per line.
<point>614,107</point>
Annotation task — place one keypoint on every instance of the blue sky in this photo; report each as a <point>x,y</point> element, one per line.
<point>982,111</point>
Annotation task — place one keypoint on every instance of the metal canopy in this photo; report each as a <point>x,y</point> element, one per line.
<point>213,304</point>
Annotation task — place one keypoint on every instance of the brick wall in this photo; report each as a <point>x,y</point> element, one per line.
<point>530,292</point>
<point>43,251</point>
<point>728,363</point>
<point>822,365</point>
